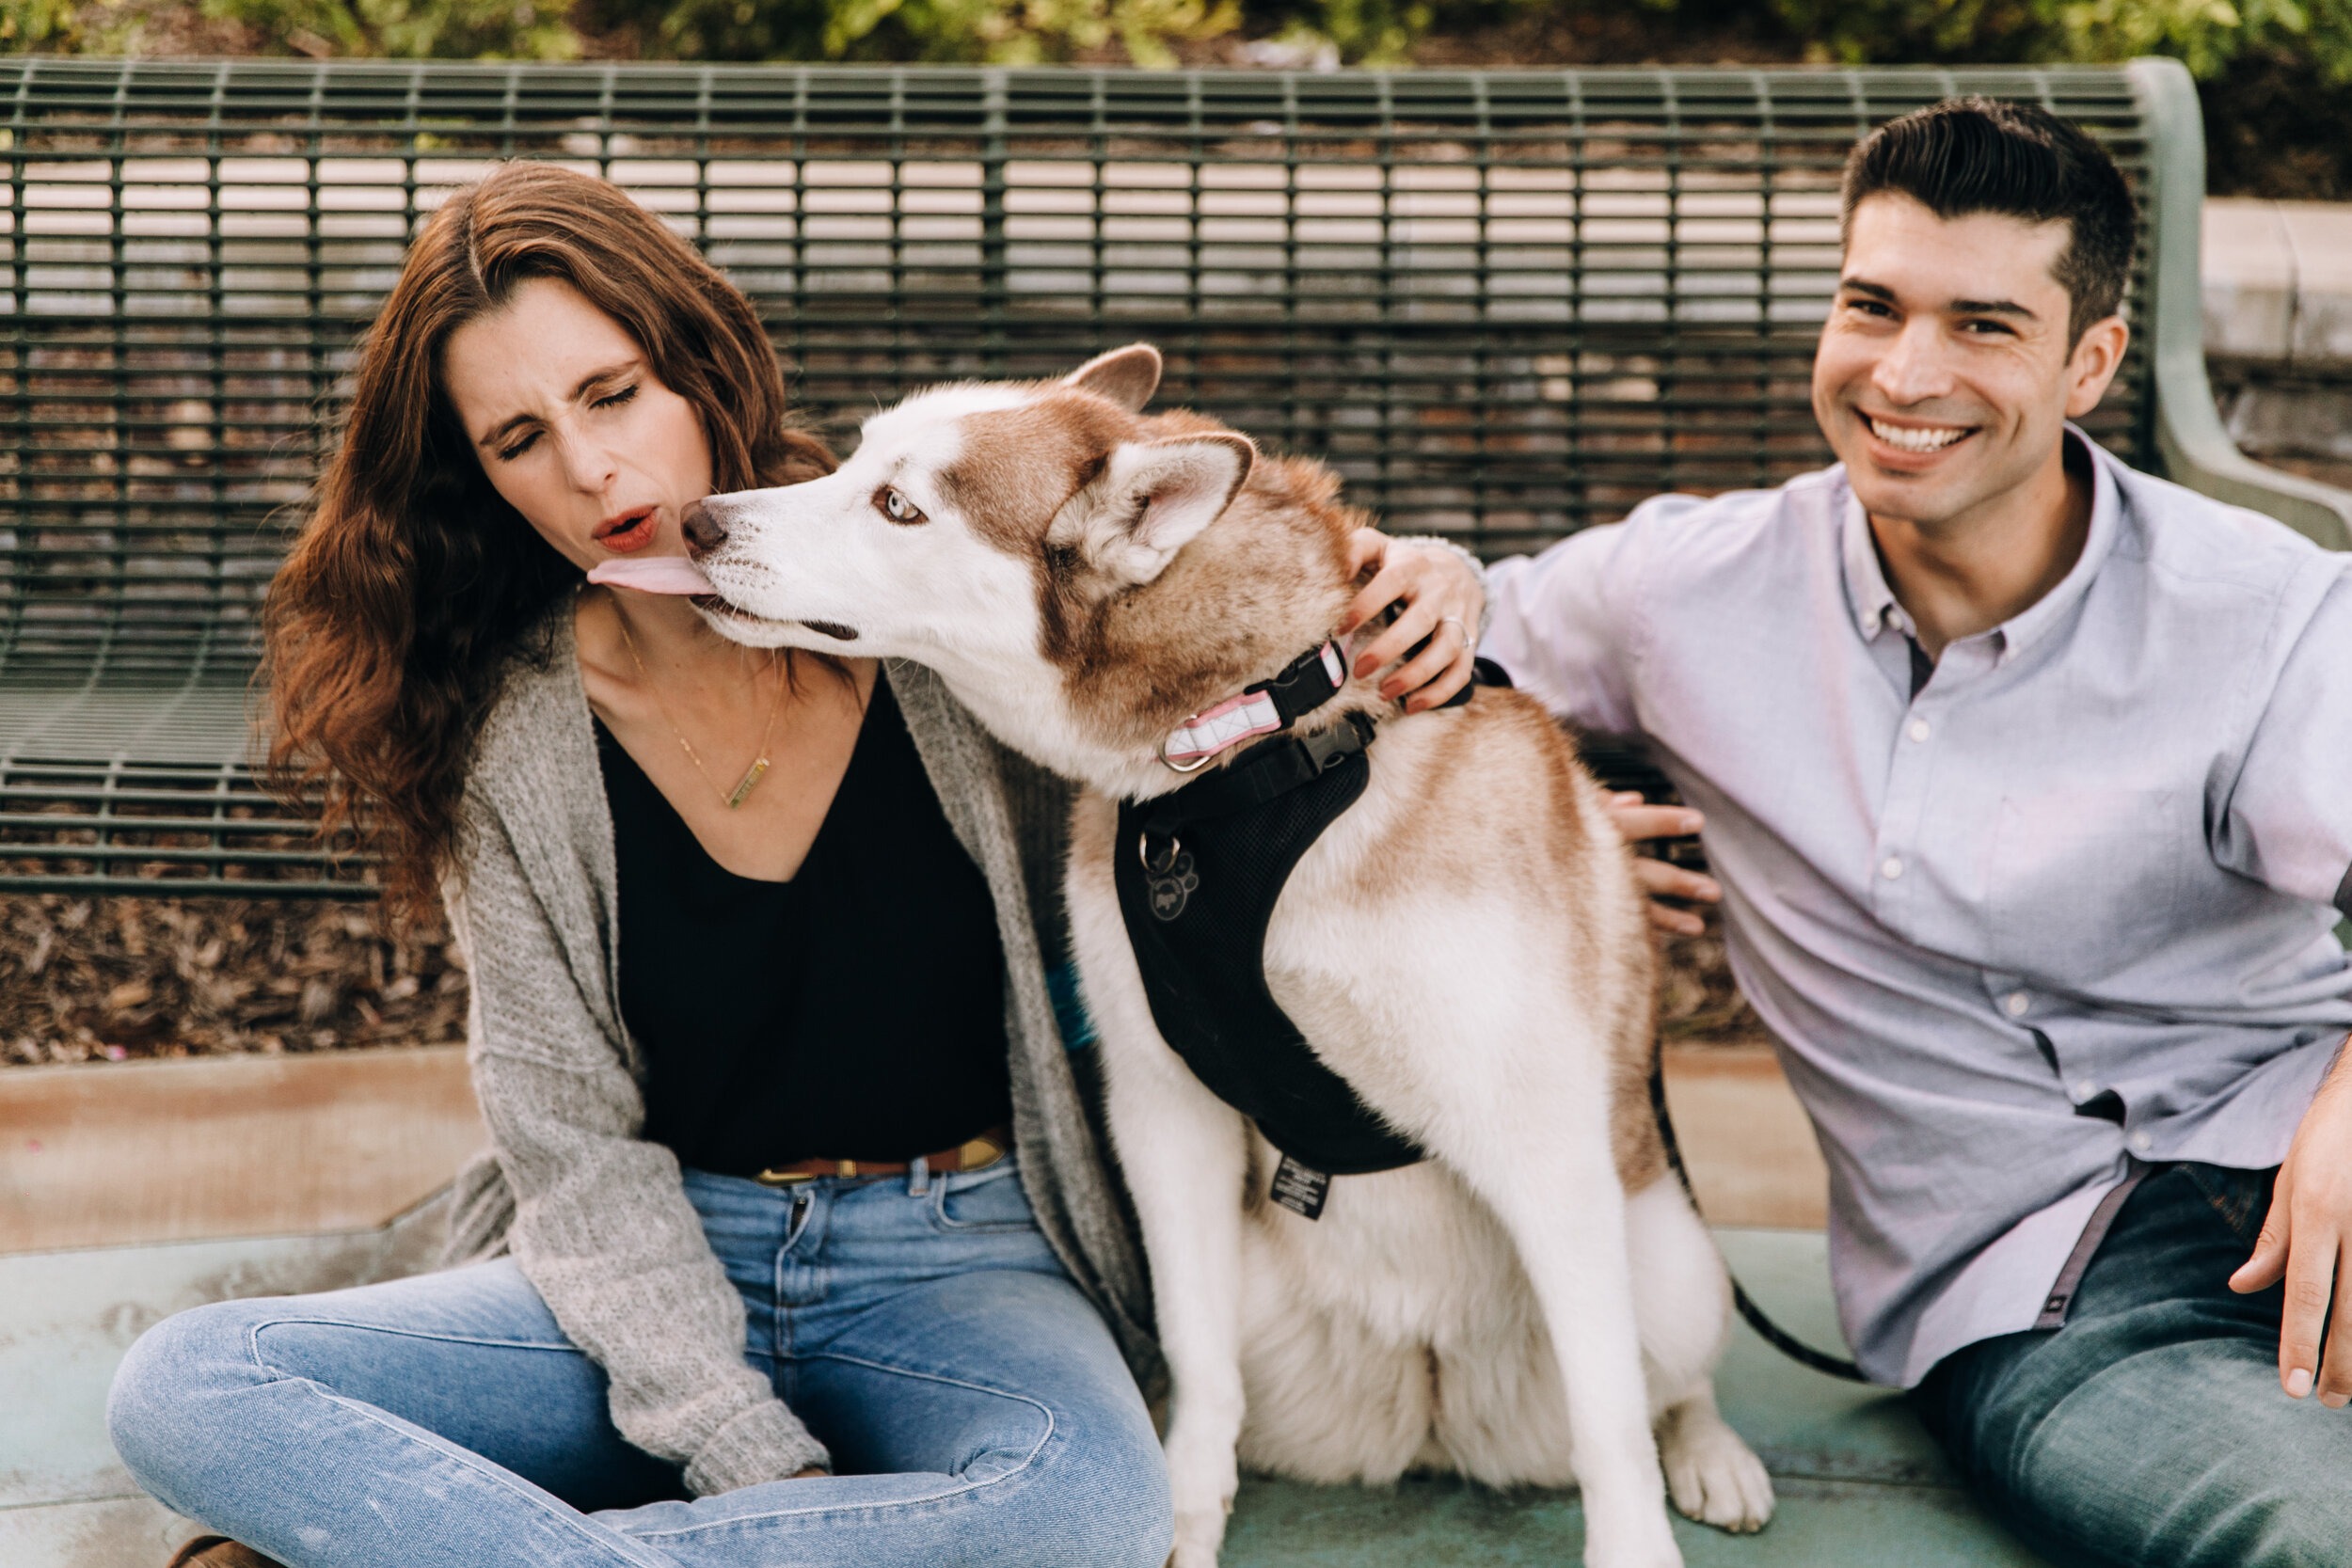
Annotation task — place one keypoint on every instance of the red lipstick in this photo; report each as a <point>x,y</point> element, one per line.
<point>626,532</point>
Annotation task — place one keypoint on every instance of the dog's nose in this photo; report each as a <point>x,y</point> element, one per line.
<point>705,532</point>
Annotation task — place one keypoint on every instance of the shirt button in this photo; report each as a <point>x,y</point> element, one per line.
<point>2143,1142</point>
<point>2017,1002</point>
<point>1920,729</point>
<point>1891,868</point>
<point>2085,1089</point>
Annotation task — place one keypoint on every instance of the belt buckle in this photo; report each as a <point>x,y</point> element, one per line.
<point>978,1153</point>
<point>784,1178</point>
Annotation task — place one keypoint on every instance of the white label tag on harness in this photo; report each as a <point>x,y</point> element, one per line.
<point>1301,1189</point>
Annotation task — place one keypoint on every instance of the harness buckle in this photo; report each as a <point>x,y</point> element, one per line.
<point>1327,748</point>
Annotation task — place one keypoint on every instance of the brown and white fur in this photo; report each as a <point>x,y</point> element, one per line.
<point>1537,1302</point>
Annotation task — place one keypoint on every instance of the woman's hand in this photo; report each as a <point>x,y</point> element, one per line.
<point>1637,823</point>
<point>1439,595</point>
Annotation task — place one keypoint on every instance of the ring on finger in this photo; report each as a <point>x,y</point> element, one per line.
<point>1459,630</point>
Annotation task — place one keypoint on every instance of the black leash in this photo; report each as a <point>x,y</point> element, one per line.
<point>1773,1334</point>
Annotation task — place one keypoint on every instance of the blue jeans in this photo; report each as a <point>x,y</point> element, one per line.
<point>2151,1431</point>
<point>978,1410</point>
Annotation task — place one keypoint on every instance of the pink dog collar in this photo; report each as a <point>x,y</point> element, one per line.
<point>1304,685</point>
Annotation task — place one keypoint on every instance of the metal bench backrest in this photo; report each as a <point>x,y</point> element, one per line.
<point>1504,305</point>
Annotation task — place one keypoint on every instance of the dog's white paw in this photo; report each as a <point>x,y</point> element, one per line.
<point>1713,1476</point>
<point>1648,1544</point>
<point>1198,1535</point>
<point>1670,1558</point>
<point>1203,1478</point>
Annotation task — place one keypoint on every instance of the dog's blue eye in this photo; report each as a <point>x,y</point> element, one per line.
<point>897,507</point>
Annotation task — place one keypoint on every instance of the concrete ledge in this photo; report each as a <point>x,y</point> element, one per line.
<point>2277,280</point>
<point>232,1146</point>
<point>1427,1523</point>
<point>1860,1483</point>
<point>135,1531</point>
<point>1748,1144</point>
<point>119,1154</point>
<point>65,1500</point>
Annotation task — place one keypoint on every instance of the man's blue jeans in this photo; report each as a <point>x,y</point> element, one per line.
<point>975,1406</point>
<point>2151,1431</point>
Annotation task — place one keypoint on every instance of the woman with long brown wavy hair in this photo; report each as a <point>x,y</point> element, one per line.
<point>796,1240</point>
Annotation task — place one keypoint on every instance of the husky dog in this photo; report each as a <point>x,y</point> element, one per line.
<point>1534,1303</point>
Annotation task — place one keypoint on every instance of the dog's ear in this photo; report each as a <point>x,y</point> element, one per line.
<point>1155,497</point>
<point>1127,376</point>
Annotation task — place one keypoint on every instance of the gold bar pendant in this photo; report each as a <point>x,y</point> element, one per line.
<point>745,787</point>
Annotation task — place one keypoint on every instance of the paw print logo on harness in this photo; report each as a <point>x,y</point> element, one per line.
<point>1169,879</point>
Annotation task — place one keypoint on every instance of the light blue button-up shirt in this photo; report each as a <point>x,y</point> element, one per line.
<point>2071,905</point>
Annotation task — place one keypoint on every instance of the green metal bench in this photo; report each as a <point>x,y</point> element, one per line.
<point>1505,304</point>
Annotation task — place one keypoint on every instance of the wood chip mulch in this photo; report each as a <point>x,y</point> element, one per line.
<point>1698,1003</point>
<point>120,979</point>
<point>128,979</point>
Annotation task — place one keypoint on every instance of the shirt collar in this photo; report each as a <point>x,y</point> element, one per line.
<point>2107,509</point>
<point>1873,602</point>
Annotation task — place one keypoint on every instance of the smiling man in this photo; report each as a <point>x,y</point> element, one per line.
<point>2027,783</point>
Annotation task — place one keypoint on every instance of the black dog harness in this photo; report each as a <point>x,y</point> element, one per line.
<point>1198,873</point>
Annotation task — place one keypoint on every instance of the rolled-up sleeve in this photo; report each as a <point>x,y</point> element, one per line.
<point>1566,624</point>
<point>2289,818</point>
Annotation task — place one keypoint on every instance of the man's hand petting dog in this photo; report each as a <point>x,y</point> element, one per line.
<point>1637,823</point>
<point>2307,1241</point>
<point>1438,594</point>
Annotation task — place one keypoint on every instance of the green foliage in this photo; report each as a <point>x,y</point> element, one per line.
<point>1004,32</point>
<point>1368,32</point>
<point>1028,32</point>
<point>403,29</point>
<point>2207,35</point>
<point>37,24</point>
<point>412,29</point>
<point>2214,36</point>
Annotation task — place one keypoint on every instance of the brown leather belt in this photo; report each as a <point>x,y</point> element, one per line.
<point>972,1154</point>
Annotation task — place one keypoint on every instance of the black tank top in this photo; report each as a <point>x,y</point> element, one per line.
<point>855,1012</point>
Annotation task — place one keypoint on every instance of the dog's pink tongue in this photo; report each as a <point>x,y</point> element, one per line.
<point>665,573</point>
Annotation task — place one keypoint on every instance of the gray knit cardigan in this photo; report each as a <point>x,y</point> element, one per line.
<point>595,1215</point>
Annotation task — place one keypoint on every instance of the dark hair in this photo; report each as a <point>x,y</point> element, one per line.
<point>1970,155</point>
<point>412,578</point>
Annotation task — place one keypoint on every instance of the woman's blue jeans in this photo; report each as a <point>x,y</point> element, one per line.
<point>978,1410</point>
<point>2151,1431</point>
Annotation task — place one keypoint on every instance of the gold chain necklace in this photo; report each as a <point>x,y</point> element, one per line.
<point>760,764</point>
